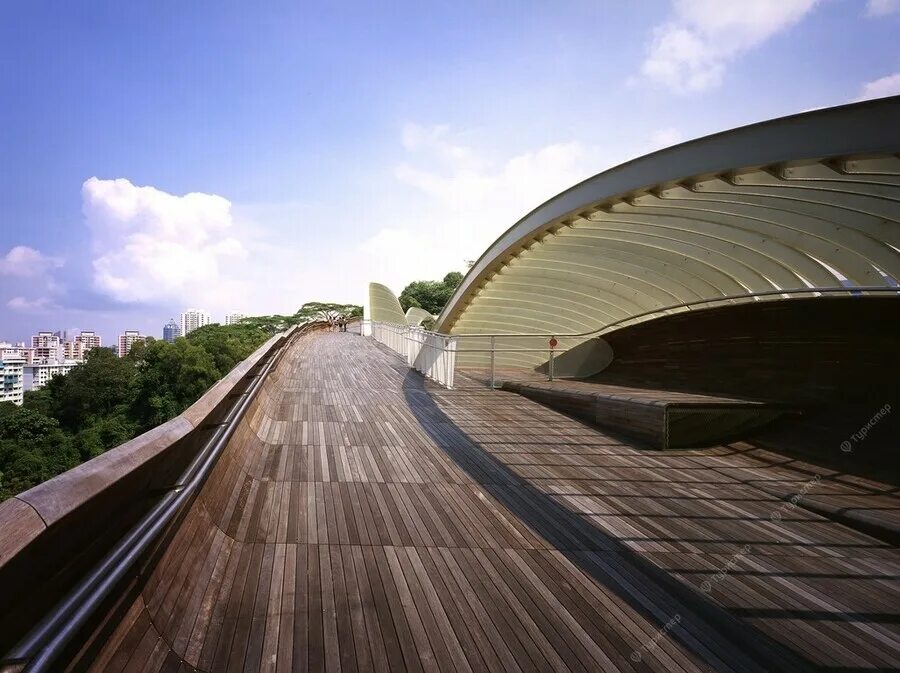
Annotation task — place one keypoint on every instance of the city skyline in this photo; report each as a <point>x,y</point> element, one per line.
<point>27,365</point>
<point>113,333</point>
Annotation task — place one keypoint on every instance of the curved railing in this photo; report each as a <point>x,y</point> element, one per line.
<point>404,339</point>
<point>216,416</point>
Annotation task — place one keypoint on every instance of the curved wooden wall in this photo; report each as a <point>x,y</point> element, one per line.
<point>54,532</point>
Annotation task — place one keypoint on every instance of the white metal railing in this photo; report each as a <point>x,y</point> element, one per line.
<point>430,353</point>
<point>392,336</point>
<point>434,354</point>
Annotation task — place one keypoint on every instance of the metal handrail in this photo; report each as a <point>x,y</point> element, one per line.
<point>554,351</point>
<point>42,646</point>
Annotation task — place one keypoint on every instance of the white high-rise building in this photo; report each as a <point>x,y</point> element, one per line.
<point>46,346</point>
<point>12,387</point>
<point>233,318</point>
<point>77,349</point>
<point>9,350</point>
<point>127,340</point>
<point>85,342</point>
<point>88,340</point>
<point>37,375</point>
<point>73,351</point>
<point>193,318</point>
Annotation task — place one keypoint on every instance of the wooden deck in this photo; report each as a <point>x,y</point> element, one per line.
<point>361,519</point>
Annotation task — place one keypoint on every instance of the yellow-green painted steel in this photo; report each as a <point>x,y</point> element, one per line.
<point>415,316</point>
<point>384,306</point>
<point>807,201</point>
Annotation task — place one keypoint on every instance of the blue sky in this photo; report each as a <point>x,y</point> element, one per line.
<point>155,156</point>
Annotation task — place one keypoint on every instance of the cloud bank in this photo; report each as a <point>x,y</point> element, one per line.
<point>153,247</point>
<point>31,272</point>
<point>26,262</point>
<point>38,305</point>
<point>459,199</point>
<point>692,51</point>
<point>879,88</point>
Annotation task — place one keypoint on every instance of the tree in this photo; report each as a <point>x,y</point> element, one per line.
<point>169,378</point>
<point>91,389</point>
<point>316,310</point>
<point>32,449</point>
<point>431,295</point>
<point>229,344</point>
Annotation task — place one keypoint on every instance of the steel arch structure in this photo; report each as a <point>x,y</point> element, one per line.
<point>416,315</point>
<point>384,305</point>
<point>802,202</point>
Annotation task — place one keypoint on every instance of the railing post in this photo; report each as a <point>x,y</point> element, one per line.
<point>451,360</point>
<point>493,354</point>
<point>550,364</point>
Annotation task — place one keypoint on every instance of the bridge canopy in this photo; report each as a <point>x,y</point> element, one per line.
<point>810,201</point>
<point>384,306</point>
<point>416,315</point>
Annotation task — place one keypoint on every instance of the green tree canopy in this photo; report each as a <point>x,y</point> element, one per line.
<point>107,400</point>
<point>169,378</point>
<point>33,448</point>
<point>431,295</point>
<point>316,310</point>
<point>90,390</point>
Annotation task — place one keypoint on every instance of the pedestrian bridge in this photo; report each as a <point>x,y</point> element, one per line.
<point>361,518</point>
<point>655,434</point>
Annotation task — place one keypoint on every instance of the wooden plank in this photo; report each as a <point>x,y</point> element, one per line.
<point>360,520</point>
<point>392,618</point>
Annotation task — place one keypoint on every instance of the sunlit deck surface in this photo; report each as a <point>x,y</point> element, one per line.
<point>362,519</point>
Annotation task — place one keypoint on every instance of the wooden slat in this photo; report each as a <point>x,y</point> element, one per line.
<point>361,519</point>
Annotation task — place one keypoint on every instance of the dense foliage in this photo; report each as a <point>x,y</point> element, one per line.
<point>432,295</point>
<point>107,400</point>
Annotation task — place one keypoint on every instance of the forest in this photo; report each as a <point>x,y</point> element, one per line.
<point>108,400</point>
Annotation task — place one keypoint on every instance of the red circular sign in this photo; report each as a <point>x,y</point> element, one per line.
<point>553,343</point>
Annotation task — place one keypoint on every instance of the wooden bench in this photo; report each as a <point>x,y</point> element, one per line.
<point>661,418</point>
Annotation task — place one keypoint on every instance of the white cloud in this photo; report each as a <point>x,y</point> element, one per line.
<point>879,88</point>
<point>882,7</point>
<point>692,51</point>
<point>32,305</point>
<point>152,246</point>
<point>436,142</point>
<point>460,200</point>
<point>27,262</point>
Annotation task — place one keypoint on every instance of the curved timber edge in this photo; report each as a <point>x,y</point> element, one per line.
<point>54,532</point>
